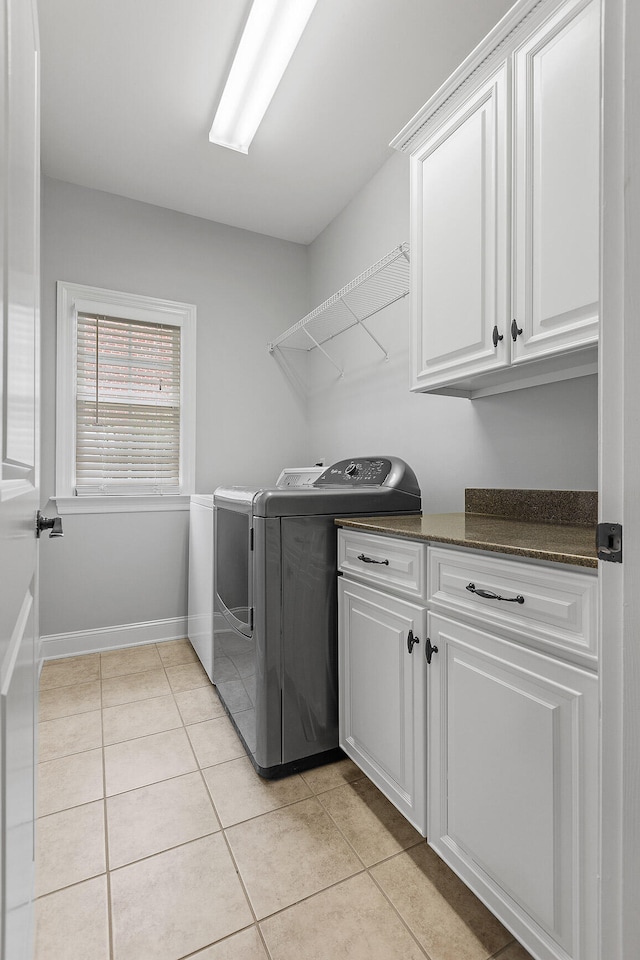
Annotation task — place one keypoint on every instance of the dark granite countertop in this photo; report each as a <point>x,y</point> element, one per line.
<point>557,526</point>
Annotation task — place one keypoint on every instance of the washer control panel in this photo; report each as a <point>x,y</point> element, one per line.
<point>364,471</point>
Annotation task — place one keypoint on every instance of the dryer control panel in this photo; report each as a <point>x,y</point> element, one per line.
<point>365,471</point>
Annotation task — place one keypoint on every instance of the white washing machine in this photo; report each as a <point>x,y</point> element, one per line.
<point>200,628</point>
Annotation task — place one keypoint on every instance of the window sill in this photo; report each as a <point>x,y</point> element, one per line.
<point>123,504</point>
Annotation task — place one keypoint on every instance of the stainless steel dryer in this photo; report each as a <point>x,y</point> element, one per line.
<point>275,625</point>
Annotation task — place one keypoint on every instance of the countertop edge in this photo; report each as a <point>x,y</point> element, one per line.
<point>578,560</point>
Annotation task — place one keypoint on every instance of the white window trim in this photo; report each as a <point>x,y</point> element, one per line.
<point>74,298</point>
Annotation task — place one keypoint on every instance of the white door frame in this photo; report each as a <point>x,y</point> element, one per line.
<point>619,484</point>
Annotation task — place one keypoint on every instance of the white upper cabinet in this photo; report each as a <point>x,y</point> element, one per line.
<point>556,184</point>
<point>505,207</point>
<point>460,206</point>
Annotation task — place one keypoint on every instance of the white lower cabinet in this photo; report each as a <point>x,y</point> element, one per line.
<point>382,705</point>
<point>513,784</point>
<point>491,748</point>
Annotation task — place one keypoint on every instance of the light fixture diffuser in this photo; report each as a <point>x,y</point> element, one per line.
<point>270,36</point>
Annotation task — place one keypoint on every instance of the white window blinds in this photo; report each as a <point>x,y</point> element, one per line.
<point>127,406</point>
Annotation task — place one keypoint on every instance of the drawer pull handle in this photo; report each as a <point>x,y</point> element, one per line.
<point>471,587</point>
<point>364,559</point>
<point>411,641</point>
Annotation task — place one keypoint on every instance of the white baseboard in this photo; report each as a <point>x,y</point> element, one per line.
<point>111,638</point>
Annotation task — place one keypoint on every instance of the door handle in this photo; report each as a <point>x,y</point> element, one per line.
<point>54,524</point>
<point>411,641</point>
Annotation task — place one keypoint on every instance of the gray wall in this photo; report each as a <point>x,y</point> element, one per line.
<point>126,568</point>
<point>252,418</point>
<point>543,437</point>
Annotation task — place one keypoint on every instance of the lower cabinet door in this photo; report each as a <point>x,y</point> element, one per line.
<point>513,785</point>
<point>382,704</point>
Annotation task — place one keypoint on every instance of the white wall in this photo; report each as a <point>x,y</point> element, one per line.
<point>543,437</point>
<point>130,568</point>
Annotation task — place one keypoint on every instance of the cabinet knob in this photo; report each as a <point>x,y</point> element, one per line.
<point>429,650</point>
<point>411,641</point>
<point>515,330</point>
<point>496,337</point>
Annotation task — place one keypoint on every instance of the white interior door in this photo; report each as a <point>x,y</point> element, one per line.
<point>619,498</point>
<point>19,493</point>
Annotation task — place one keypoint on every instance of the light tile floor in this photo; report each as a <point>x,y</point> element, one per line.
<point>156,840</point>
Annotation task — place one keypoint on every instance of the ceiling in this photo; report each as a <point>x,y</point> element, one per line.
<point>129,89</point>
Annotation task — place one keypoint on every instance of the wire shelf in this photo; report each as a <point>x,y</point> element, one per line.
<point>378,287</point>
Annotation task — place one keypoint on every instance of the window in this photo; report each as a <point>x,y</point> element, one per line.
<point>126,399</point>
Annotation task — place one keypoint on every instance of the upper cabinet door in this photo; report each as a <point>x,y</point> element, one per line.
<point>460,243</point>
<point>557,183</point>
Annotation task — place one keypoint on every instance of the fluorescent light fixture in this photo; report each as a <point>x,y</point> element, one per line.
<point>270,36</point>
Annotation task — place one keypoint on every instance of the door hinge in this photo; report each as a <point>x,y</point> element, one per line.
<point>609,542</point>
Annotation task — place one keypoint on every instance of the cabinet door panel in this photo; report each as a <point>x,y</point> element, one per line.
<point>460,257</point>
<point>502,775</point>
<point>557,148</point>
<point>513,784</point>
<point>382,694</point>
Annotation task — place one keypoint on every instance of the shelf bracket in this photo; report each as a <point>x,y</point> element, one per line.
<point>322,350</point>
<point>361,323</point>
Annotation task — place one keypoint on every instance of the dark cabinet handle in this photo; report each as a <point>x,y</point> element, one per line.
<point>515,330</point>
<point>364,559</point>
<point>429,650</point>
<point>411,641</point>
<point>496,337</point>
<point>471,587</point>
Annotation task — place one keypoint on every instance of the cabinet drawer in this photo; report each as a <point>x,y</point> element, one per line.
<point>556,612</point>
<point>398,565</point>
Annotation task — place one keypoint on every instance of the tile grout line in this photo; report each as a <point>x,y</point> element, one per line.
<point>222,831</point>
<point>314,793</point>
<point>395,909</point>
<point>171,692</point>
<point>502,951</point>
<point>103,798</point>
<point>111,944</point>
<point>369,867</point>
